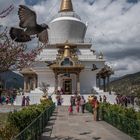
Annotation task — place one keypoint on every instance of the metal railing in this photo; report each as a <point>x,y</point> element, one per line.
<point>35,129</point>
<point>123,123</point>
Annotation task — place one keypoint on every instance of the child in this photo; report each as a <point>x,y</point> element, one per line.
<point>70,109</point>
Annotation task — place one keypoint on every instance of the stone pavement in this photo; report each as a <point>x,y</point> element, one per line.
<point>8,108</point>
<point>63,126</point>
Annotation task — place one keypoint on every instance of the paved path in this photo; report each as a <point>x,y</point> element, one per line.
<point>63,126</point>
<point>8,108</point>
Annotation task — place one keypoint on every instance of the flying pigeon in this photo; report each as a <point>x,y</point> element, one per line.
<point>29,27</point>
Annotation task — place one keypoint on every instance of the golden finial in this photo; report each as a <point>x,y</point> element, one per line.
<point>66,6</point>
<point>67,51</point>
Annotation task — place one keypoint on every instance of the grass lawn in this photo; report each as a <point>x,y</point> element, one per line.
<point>3,118</point>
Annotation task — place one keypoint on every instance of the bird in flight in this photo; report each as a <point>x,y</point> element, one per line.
<point>29,27</point>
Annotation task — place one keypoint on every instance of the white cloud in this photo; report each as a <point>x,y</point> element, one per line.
<point>125,66</point>
<point>12,18</point>
<point>114,26</point>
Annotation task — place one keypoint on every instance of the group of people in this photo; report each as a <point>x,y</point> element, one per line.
<point>80,102</point>
<point>25,101</point>
<point>103,99</point>
<point>124,100</point>
<point>77,101</point>
<point>7,100</point>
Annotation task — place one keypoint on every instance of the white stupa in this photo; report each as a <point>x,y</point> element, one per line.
<point>68,63</point>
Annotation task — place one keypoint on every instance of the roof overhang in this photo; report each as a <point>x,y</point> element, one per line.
<point>28,71</point>
<point>69,69</point>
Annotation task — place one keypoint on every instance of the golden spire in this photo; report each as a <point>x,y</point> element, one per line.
<point>67,51</point>
<point>66,6</point>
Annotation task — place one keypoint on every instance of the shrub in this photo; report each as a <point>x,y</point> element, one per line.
<point>17,121</point>
<point>24,117</point>
<point>125,119</point>
<point>8,132</point>
<point>89,107</point>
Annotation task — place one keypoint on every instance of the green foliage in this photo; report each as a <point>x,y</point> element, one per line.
<point>8,132</point>
<point>125,119</point>
<point>127,85</point>
<point>138,115</point>
<point>23,118</point>
<point>89,107</point>
<point>120,110</point>
<point>36,127</point>
<point>17,121</point>
<point>3,118</point>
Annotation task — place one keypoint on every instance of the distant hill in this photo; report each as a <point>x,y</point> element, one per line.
<point>127,85</point>
<point>113,78</point>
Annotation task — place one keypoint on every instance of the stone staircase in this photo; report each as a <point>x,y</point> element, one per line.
<point>36,94</point>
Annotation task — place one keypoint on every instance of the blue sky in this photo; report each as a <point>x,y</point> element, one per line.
<point>33,2</point>
<point>113,25</point>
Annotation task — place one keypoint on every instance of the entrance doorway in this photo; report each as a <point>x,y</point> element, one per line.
<point>67,86</point>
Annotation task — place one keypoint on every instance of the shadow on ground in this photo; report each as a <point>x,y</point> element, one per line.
<point>67,138</point>
<point>60,138</point>
<point>48,129</point>
<point>96,138</point>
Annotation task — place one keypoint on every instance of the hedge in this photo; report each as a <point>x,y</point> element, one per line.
<point>17,121</point>
<point>125,119</point>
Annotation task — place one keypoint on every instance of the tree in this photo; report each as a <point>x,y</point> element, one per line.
<point>15,55</point>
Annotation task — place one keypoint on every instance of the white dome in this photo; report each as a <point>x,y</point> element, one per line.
<point>67,26</point>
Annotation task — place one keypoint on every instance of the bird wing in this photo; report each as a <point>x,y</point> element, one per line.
<point>19,35</point>
<point>43,36</point>
<point>27,17</point>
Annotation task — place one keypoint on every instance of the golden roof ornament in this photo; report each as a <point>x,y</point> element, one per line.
<point>67,51</point>
<point>66,6</point>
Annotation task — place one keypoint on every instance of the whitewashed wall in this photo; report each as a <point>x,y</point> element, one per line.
<point>66,28</point>
<point>87,81</point>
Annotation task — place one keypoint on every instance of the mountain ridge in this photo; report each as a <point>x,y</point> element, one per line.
<point>127,85</point>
